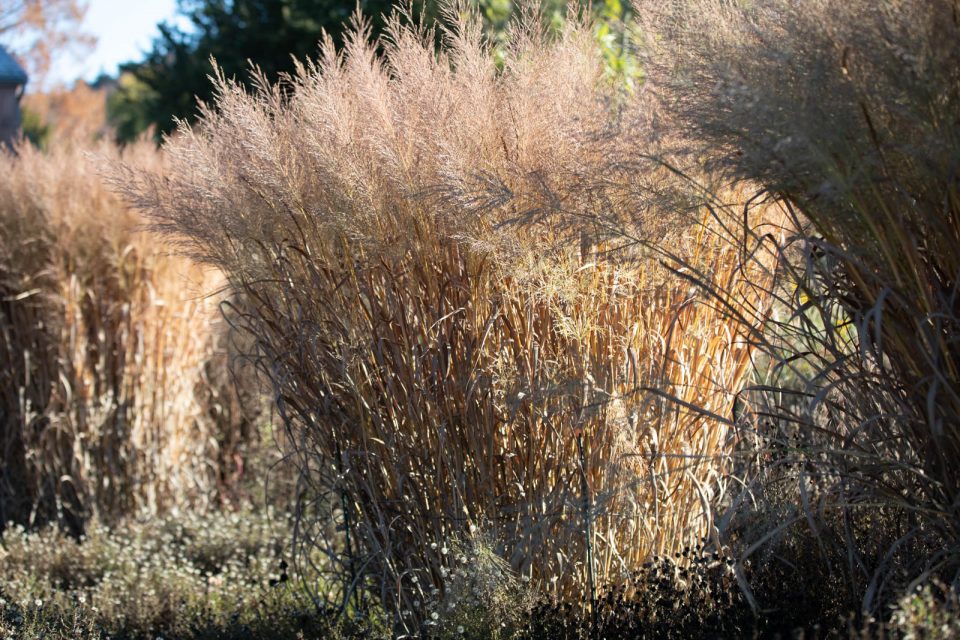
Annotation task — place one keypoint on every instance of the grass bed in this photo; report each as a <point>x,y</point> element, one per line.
<point>224,575</point>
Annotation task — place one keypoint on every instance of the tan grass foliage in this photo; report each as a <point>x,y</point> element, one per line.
<point>105,343</point>
<point>861,141</point>
<point>847,112</point>
<point>438,364</point>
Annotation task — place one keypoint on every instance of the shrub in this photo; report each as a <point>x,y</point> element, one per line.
<point>436,364</point>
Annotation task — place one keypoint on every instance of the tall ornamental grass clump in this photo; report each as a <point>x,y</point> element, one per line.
<point>847,113</point>
<point>110,350</point>
<point>441,368</point>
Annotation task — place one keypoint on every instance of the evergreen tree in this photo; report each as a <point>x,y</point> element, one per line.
<point>270,34</point>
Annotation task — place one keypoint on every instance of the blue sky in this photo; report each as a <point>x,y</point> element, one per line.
<point>124,29</point>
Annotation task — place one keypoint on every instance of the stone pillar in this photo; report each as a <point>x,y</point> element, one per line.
<point>9,113</point>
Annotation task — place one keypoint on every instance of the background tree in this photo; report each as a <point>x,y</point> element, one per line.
<point>237,33</point>
<point>35,31</point>
<point>76,114</point>
<point>270,34</point>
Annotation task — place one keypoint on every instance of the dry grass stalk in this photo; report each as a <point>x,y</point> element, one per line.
<point>438,367</point>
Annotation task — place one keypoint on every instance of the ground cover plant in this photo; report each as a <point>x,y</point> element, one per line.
<point>114,397</point>
<point>221,575</point>
<point>438,367</point>
<point>226,576</point>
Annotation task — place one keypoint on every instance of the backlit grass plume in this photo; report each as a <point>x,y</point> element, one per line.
<point>438,365</point>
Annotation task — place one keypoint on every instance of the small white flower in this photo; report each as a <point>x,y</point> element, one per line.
<point>445,550</point>
<point>434,615</point>
<point>433,545</point>
<point>460,629</point>
<point>38,602</point>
